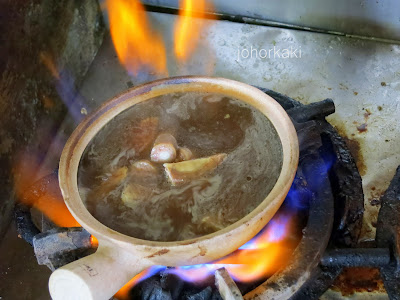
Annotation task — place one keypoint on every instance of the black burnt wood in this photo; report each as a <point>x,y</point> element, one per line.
<point>60,246</point>
<point>25,227</point>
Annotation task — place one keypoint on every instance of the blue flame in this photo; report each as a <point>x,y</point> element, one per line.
<point>152,271</point>
<point>74,101</point>
<point>278,228</point>
<point>294,200</point>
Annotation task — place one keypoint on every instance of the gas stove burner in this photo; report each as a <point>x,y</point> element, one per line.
<point>329,206</point>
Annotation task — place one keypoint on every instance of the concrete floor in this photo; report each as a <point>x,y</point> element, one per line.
<point>21,281</point>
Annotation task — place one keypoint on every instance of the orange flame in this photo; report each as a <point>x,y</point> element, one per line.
<point>134,41</point>
<point>46,59</point>
<point>94,241</point>
<point>264,255</point>
<point>138,46</point>
<point>251,264</point>
<point>187,30</point>
<point>44,194</point>
<point>259,258</point>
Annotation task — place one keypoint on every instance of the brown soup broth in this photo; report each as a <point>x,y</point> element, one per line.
<point>207,124</point>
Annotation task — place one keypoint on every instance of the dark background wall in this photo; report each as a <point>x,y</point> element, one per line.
<point>46,47</point>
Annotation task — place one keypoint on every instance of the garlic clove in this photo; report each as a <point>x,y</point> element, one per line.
<point>183,154</point>
<point>164,149</point>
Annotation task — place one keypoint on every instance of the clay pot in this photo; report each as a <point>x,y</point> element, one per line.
<point>120,257</point>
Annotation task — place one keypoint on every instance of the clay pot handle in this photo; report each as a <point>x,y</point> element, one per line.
<point>94,277</point>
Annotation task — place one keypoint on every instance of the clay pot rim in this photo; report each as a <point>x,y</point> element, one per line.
<point>232,236</point>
